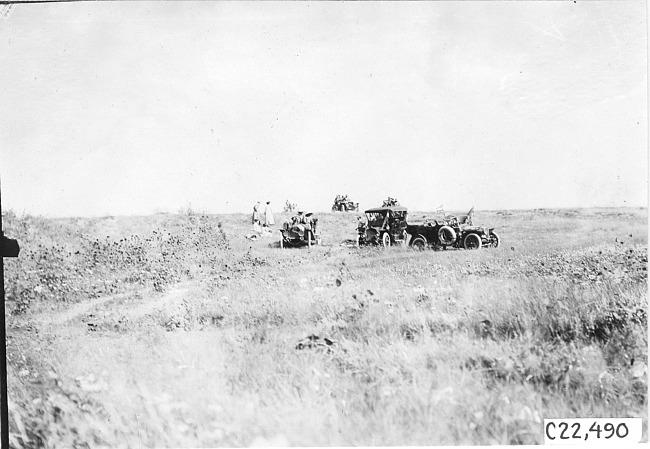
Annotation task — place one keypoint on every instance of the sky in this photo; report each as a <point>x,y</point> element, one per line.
<point>134,108</point>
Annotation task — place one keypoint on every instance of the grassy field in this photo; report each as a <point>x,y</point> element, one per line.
<point>177,331</point>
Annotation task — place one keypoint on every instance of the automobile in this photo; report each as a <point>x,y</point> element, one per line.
<point>390,202</point>
<point>451,232</point>
<point>300,230</point>
<point>343,204</point>
<point>384,226</point>
<point>290,207</point>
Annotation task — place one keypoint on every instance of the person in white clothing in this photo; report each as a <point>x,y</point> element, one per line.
<point>268,215</point>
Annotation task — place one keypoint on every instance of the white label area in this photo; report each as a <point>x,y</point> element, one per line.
<point>592,430</point>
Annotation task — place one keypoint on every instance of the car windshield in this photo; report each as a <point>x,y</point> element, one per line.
<point>375,218</point>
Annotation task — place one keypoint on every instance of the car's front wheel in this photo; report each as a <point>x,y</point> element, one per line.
<point>495,240</point>
<point>419,243</point>
<point>385,240</point>
<point>472,241</point>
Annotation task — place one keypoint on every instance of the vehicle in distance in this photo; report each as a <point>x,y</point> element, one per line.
<point>343,204</point>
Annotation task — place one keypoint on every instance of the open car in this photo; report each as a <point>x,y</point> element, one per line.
<point>300,230</point>
<point>452,232</point>
<point>343,204</point>
<point>384,226</point>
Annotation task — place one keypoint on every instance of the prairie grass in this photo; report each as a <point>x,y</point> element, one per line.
<point>423,348</point>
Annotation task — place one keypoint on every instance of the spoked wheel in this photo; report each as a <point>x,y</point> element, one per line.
<point>281,242</point>
<point>495,240</point>
<point>385,240</point>
<point>419,244</point>
<point>472,241</point>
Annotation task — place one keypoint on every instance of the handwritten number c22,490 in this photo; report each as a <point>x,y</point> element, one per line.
<point>608,430</point>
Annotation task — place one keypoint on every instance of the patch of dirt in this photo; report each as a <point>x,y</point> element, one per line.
<point>79,309</point>
<point>170,301</point>
<point>153,302</point>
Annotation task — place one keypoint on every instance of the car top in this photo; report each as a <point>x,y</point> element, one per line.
<point>383,209</point>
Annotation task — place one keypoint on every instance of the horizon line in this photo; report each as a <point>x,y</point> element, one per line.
<point>202,212</point>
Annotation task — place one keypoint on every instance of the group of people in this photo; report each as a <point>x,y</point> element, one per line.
<point>390,202</point>
<point>302,218</point>
<point>262,221</point>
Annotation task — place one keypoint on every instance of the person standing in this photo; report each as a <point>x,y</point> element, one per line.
<point>268,215</point>
<point>256,217</point>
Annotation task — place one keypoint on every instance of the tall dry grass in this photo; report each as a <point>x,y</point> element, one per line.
<point>429,348</point>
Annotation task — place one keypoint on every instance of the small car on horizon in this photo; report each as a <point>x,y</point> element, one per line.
<point>343,204</point>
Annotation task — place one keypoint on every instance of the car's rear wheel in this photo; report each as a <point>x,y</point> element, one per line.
<point>419,243</point>
<point>472,241</point>
<point>385,240</point>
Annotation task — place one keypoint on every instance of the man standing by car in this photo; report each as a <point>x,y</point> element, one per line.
<point>361,224</point>
<point>268,215</point>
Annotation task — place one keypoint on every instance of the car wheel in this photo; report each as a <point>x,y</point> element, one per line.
<point>446,235</point>
<point>472,241</point>
<point>385,240</point>
<point>281,242</point>
<point>419,243</point>
<point>496,240</point>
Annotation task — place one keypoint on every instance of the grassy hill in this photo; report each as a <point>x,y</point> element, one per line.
<point>177,330</point>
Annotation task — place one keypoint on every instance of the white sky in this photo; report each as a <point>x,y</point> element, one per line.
<point>130,108</point>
